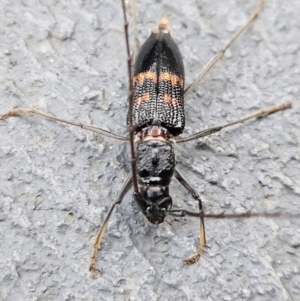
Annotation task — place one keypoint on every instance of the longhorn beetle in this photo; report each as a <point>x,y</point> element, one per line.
<point>155,120</point>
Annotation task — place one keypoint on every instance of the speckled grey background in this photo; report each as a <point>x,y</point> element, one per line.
<point>57,182</point>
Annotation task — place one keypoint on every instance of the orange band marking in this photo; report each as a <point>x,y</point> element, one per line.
<point>144,98</point>
<point>143,76</point>
<point>171,100</point>
<point>164,76</point>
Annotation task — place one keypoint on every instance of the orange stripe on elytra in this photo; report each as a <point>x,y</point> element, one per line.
<point>164,76</point>
<point>173,78</point>
<point>144,98</point>
<point>171,100</point>
<point>141,77</point>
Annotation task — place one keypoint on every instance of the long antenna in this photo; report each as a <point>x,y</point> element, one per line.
<point>132,128</point>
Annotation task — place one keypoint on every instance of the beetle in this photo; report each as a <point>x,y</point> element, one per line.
<point>157,130</point>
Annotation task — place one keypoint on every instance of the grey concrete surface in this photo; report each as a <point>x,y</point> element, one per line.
<point>57,182</point>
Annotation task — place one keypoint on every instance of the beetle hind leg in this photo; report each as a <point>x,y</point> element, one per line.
<point>201,248</point>
<point>202,240</point>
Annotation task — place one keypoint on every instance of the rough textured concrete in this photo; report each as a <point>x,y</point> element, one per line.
<point>57,182</point>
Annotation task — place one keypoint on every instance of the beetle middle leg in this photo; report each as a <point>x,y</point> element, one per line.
<point>89,127</point>
<point>257,114</point>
